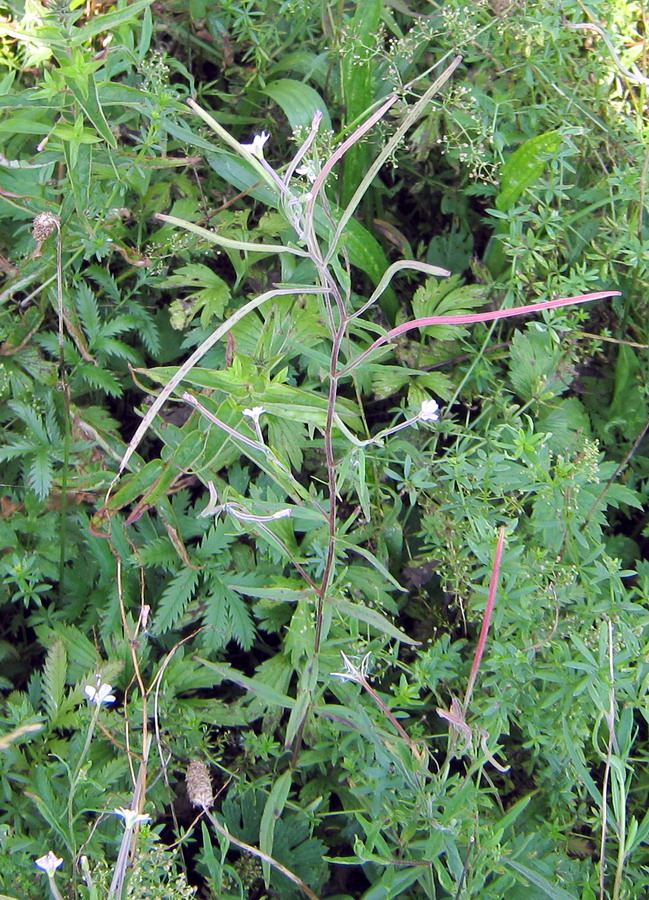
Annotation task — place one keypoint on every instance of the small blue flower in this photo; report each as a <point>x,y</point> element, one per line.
<point>100,694</point>
<point>49,863</point>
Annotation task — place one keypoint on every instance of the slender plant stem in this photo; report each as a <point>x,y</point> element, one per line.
<point>486,621</point>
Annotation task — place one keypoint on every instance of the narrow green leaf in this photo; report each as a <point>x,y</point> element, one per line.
<point>373,618</point>
<point>92,108</point>
<point>362,247</point>
<point>372,560</point>
<point>554,892</point>
<point>262,691</point>
<point>101,24</point>
<point>272,812</point>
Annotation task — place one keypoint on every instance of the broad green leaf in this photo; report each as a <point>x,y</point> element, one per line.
<point>524,167</point>
<point>101,24</point>
<point>304,63</point>
<point>357,82</point>
<point>299,102</point>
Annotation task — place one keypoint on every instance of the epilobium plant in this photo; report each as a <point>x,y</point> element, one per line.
<point>318,243</point>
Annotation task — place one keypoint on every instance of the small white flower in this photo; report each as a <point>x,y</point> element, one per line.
<point>254,413</point>
<point>49,863</point>
<point>131,817</point>
<point>354,672</point>
<point>99,695</point>
<point>257,145</point>
<point>307,169</point>
<point>428,411</point>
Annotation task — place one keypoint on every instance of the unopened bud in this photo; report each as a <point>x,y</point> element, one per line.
<point>199,785</point>
<point>43,226</point>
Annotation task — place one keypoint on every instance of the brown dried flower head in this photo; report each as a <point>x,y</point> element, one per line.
<point>199,785</point>
<point>43,226</point>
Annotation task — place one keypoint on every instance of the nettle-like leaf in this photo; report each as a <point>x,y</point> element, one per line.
<point>389,380</point>
<point>447,298</point>
<point>534,367</point>
<point>208,295</point>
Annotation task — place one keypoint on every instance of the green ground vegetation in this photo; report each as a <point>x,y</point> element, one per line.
<point>322,572</point>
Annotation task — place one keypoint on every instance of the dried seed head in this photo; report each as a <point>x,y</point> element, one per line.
<point>43,226</point>
<point>199,786</point>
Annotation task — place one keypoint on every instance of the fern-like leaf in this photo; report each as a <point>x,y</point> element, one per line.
<point>99,378</point>
<point>54,673</point>
<point>175,599</point>
<point>40,473</point>
<point>86,304</point>
<point>242,628</point>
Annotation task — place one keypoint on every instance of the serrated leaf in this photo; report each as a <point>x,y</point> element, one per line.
<point>175,599</point>
<point>81,652</point>
<point>533,367</point>
<point>54,675</point>
<point>242,628</point>
<point>447,298</point>
<point>40,473</point>
<point>99,379</point>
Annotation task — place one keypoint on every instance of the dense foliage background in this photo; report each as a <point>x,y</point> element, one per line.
<point>285,576</point>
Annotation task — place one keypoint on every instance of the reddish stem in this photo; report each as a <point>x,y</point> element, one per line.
<point>486,622</point>
<point>471,318</point>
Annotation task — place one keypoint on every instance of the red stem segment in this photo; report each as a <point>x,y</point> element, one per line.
<point>486,622</point>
